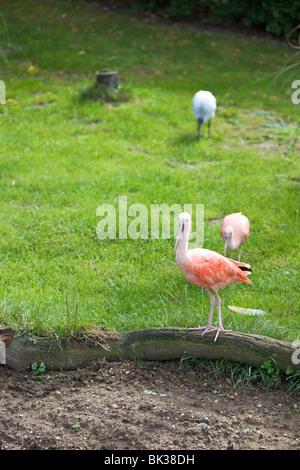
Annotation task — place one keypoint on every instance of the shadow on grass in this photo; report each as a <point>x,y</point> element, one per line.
<point>190,138</point>
<point>185,139</point>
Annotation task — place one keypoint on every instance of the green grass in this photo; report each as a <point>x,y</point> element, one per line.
<point>266,376</point>
<point>62,156</point>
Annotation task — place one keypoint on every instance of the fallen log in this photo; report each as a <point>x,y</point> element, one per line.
<point>153,344</point>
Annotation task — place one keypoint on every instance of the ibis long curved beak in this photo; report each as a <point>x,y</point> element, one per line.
<point>176,243</point>
<point>225,247</point>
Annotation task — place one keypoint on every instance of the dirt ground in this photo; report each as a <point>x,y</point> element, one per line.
<point>142,406</point>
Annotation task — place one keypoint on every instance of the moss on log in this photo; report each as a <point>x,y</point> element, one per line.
<point>153,344</point>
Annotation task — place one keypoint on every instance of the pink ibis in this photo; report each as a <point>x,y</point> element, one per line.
<point>207,269</point>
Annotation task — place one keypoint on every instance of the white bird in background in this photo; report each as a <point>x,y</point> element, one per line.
<point>204,108</point>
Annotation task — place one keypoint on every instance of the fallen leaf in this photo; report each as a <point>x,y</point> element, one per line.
<point>32,70</point>
<point>246,311</point>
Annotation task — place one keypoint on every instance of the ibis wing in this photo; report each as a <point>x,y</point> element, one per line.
<point>212,271</point>
<point>217,273</point>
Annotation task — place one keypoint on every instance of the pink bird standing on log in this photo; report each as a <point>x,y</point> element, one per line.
<point>235,230</point>
<point>207,269</point>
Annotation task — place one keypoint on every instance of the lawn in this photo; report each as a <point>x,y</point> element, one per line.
<point>63,155</point>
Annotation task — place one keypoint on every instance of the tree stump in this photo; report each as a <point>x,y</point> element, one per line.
<point>107,78</point>
<point>152,344</point>
<point>6,334</point>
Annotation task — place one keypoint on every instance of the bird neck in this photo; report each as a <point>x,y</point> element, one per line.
<point>182,247</point>
<point>231,238</point>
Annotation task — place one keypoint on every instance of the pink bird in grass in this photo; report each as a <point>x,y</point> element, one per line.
<point>235,230</point>
<point>207,269</point>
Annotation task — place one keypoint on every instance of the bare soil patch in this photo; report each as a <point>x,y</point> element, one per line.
<point>142,406</point>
